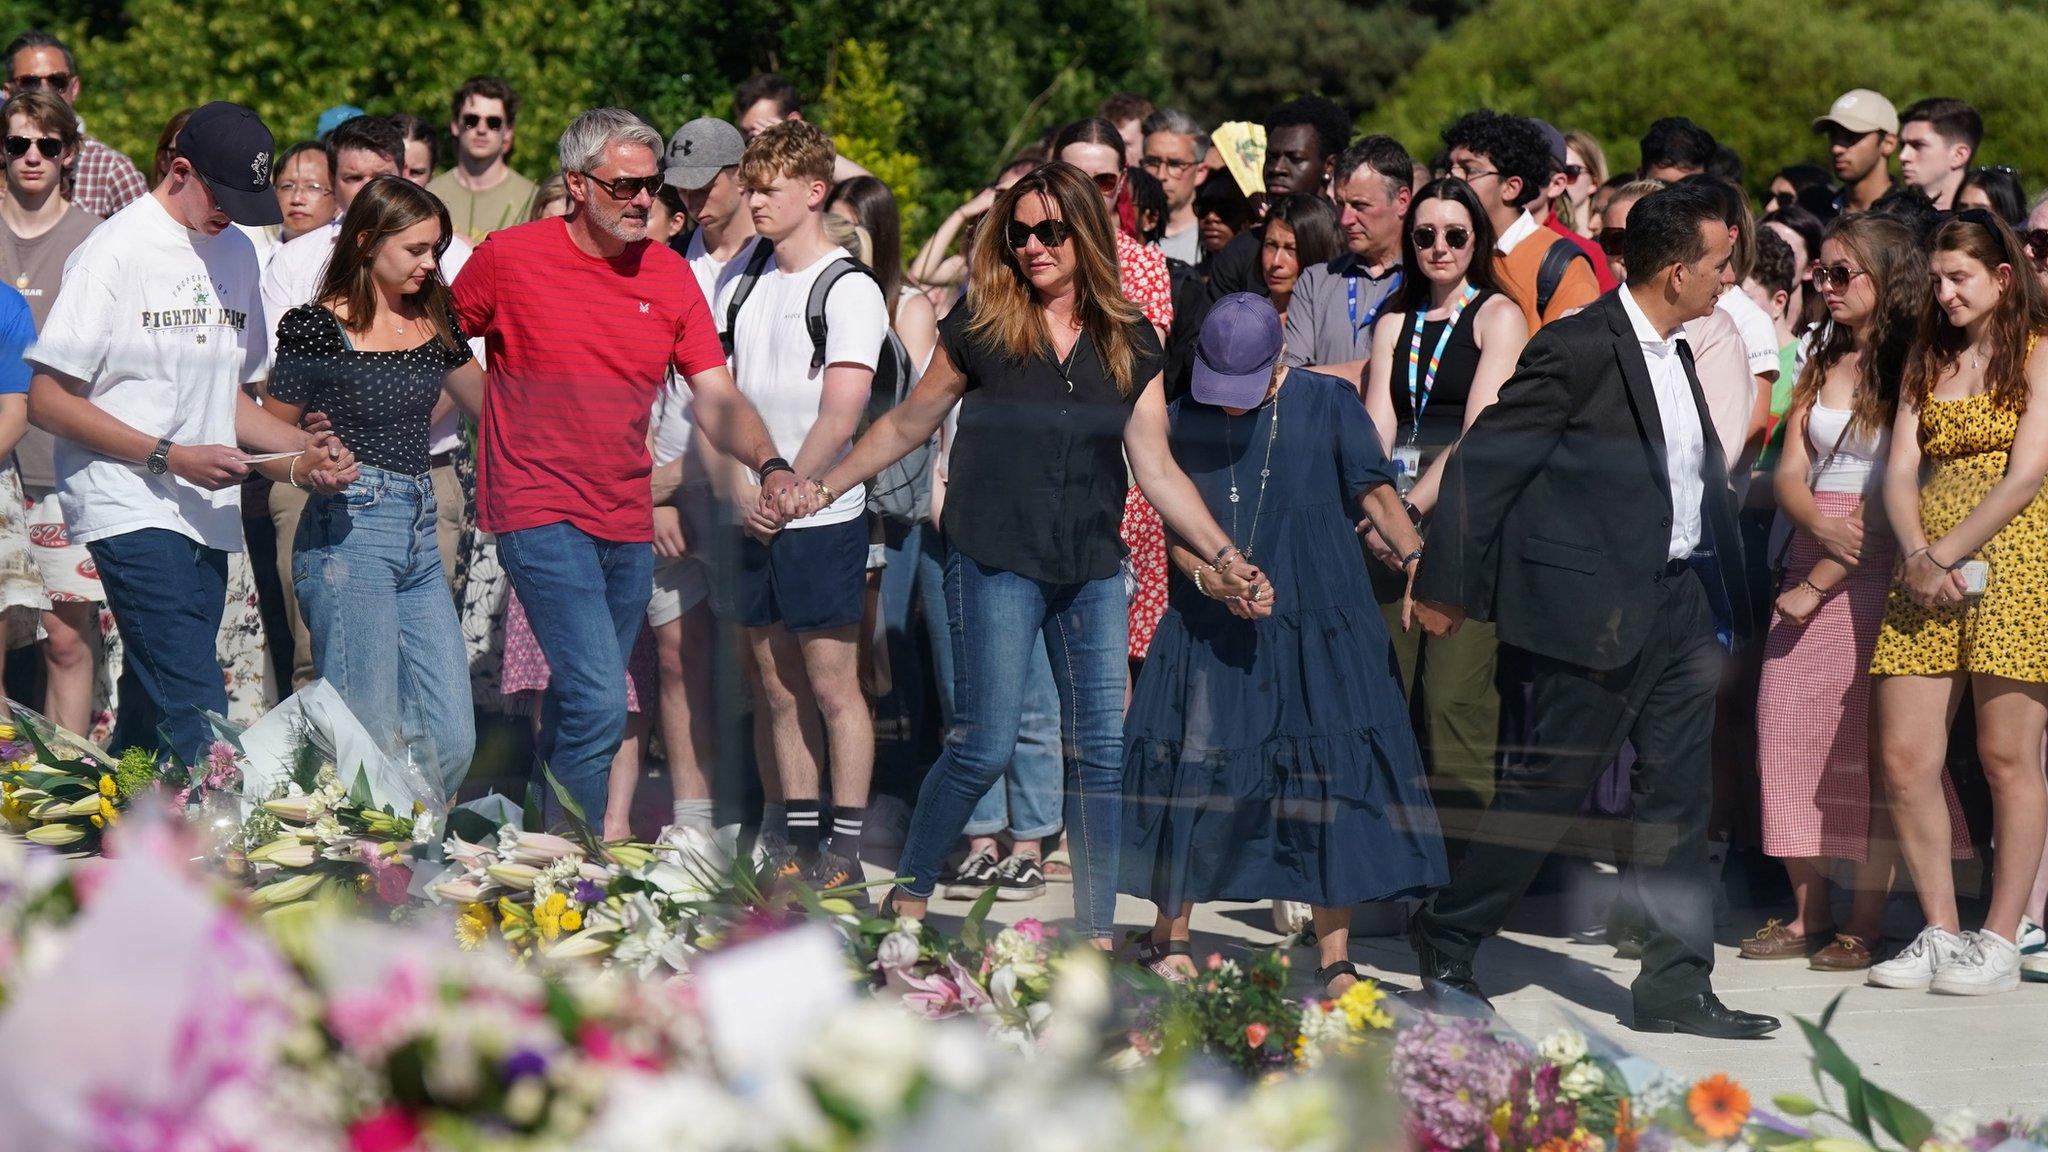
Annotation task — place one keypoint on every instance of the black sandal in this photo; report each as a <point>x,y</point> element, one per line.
<point>1153,956</point>
<point>1330,972</point>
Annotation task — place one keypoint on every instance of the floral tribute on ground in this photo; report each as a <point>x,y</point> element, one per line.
<point>282,953</point>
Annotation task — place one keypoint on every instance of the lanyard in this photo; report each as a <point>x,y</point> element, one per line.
<point>1373,313</point>
<point>1418,393</point>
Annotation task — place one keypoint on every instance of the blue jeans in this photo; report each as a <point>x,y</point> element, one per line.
<point>556,568</point>
<point>997,620</point>
<point>367,569</point>
<point>1026,801</point>
<point>167,592</point>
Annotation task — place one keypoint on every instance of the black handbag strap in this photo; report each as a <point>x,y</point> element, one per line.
<point>1813,472</point>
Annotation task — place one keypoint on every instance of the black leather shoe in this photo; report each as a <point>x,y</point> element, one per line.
<point>1704,1015</point>
<point>1598,932</point>
<point>1448,982</point>
<point>1629,945</point>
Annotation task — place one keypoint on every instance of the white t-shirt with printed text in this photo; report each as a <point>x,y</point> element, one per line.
<point>673,422</point>
<point>164,325</point>
<point>771,357</point>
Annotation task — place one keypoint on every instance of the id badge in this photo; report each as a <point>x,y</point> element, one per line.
<point>1407,467</point>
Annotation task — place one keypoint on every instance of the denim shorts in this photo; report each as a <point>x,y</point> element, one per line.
<point>806,579</point>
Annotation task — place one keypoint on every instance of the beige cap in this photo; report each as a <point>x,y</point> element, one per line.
<point>1860,110</point>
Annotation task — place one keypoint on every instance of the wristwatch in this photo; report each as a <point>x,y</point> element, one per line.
<point>159,461</point>
<point>1414,513</point>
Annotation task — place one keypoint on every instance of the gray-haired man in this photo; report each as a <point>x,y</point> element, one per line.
<point>1175,148</point>
<point>583,317</point>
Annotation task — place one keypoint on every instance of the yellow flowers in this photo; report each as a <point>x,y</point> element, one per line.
<point>9,732</point>
<point>547,917</point>
<point>472,927</point>
<point>1361,1005</point>
<point>571,920</point>
<point>107,787</point>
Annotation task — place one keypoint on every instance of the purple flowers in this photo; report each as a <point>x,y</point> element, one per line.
<point>586,893</point>
<point>1453,1075</point>
<point>523,1063</point>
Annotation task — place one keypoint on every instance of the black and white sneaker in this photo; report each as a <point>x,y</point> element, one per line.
<point>976,875</point>
<point>1019,878</point>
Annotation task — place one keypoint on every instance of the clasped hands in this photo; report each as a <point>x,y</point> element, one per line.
<point>783,496</point>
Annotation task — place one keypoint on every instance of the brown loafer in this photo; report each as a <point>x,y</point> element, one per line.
<point>1776,941</point>
<point>1846,954</point>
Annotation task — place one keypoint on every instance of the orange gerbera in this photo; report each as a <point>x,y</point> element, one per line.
<point>1624,1128</point>
<point>1719,1106</point>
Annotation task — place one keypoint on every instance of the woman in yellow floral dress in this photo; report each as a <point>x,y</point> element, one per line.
<point>1971,596</point>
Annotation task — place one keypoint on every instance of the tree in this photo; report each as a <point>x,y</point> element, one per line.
<point>1613,66</point>
<point>1234,59</point>
<point>867,119</point>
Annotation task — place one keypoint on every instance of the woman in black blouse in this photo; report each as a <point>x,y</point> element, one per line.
<point>1058,379</point>
<point>377,351</point>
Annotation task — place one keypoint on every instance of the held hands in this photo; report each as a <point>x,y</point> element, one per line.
<point>1238,584</point>
<point>1929,584</point>
<point>209,466</point>
<point>1377,545</point>
<point>1436,618</point>
<point>1841,537</point>
<point>327,466</point>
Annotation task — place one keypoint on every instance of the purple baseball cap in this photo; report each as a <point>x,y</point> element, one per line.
<point>1240,343</point>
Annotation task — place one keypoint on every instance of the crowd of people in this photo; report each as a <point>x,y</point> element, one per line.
<point>1272,514</point>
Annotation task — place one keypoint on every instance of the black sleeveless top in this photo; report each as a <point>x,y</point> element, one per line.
<point>1443,416</point>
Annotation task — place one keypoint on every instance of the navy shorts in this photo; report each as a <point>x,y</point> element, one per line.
<point>806,579</point>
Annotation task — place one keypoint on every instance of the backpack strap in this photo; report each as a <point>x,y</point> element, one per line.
<point>1550,274</point>
<point>814,307</point>
<point>757,262</point>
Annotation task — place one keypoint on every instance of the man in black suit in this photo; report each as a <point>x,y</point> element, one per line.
<point>1581,514</point>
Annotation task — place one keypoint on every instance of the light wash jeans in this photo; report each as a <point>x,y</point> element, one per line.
<point>367,570</point>
<point>998,620</point>
<point>586,599</point>
<point>1026,801</point>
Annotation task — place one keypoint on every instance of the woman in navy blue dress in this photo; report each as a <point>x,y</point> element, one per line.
<point>1273,759</point>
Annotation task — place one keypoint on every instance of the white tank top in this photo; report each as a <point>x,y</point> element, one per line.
<point>1857,465</point>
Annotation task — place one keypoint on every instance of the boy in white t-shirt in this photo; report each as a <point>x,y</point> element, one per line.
<point>139,373</point>
<point>802,585</point>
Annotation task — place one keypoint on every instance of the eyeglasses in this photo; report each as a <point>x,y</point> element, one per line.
<point>1469,174</point>
<point>1157,165</point>
<point>55,82</point>
<point>626,187</point>
<point>1455,237</point>
<point>471,120</point>
<point>1835,277</point>
<point>1049,233</point>
<point>289,189</point>
<point>2037,244</point>
<point>49,146</point>
<point>1107,183</point>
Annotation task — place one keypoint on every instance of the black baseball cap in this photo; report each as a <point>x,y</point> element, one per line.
<point>231,150</point>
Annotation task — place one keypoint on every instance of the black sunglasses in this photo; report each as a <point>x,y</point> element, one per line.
<point>55,82</point>
<point>49,146</point>
<point>1612,239</point>
<point>1050,233</point>
<point>471,120</point>
<point>2037,244</point>
<point>1455,237</point>
<point>1108,182</point>
<point>627,187</point>
<point>1574,171</point>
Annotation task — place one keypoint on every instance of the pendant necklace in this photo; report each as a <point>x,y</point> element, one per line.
<point>1265,473</point>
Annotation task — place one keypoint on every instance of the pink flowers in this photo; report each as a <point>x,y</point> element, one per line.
<point>1255,1035</point>
<point>389,1129</point>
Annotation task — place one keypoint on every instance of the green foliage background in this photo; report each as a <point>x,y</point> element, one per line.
<point>934,94</point>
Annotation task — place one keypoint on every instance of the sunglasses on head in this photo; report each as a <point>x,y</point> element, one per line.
<point>2037,244</point>
<point>471,120</point>
<point>1049,233</point>
<point>1455,237</point>
<point>49,146</point>
<point>55,82</point>
<point>627,187</point>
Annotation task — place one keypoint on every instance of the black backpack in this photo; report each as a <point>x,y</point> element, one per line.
<point>1550,274</point>
<point>903,490</point>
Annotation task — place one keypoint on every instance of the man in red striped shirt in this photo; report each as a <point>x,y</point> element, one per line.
<point>582,317</point>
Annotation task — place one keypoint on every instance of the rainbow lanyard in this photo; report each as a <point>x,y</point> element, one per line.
<point>1420,384</point>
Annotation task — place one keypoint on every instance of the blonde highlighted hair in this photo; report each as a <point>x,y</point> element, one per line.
<point>1006,312</point>
<point>793,148</point>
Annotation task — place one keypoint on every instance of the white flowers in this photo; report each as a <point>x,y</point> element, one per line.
<point>1564,1047</point>
<point>1582,1080</point>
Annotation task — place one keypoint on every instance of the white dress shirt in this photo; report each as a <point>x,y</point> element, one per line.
<point>1523,228</point>
<point>1685,444</point>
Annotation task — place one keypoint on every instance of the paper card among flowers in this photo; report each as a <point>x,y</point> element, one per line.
<point>762,1001</point>
<point>316,714</point>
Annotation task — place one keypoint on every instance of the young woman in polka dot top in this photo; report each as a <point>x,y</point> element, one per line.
<point>379,351</point>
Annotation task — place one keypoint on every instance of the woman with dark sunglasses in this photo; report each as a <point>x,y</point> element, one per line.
<point>1441,351</point>
<point>1058,377</point>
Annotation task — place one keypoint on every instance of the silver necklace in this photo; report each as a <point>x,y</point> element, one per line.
<point>1265,473</point>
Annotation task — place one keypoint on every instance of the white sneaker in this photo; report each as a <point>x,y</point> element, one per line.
<point>1991,964</point>
<point>2033,952</point>
<point>1289,916</point>
<point>1914,967</point>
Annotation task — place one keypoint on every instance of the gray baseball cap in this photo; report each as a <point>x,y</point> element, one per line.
<point>699,149</point>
